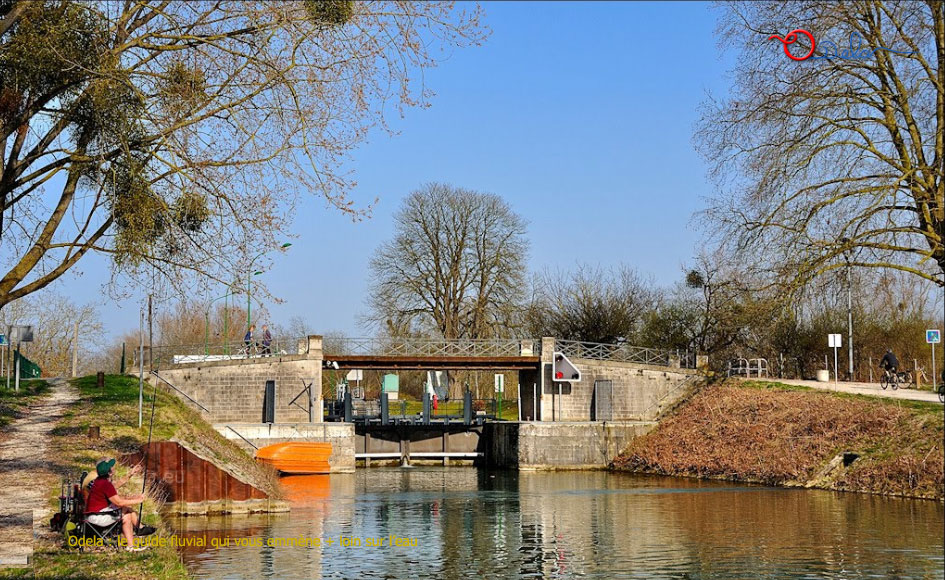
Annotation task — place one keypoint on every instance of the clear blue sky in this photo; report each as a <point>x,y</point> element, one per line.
<point>579,115</point>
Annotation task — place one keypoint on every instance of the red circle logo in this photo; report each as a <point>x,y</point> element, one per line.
<point>791,38</point>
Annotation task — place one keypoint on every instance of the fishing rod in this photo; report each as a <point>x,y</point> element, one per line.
<point>147,450</point>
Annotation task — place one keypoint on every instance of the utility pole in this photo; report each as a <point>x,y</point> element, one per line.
<point>150,336</point>
<point>850,318</point>
<point>75,351</point>
<point>16,365</point>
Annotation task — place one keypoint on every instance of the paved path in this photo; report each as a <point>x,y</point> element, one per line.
<point>25,476</point>
<point>864,389</point>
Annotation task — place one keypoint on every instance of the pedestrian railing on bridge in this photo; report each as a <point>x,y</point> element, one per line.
<point>429,347</point>
<point>162,356</point>
<point>159,356</point>
<point>618,353</point>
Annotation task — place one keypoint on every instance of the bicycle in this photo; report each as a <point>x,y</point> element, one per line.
<point>890,379</point>
<point>248,350</point>
<point>941,393</point>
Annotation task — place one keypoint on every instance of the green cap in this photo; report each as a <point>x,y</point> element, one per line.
<point>103,467</point>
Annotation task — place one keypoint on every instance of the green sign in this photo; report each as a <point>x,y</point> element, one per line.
<point>391,383</point>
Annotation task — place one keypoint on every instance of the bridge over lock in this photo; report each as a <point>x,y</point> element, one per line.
<point>257,398</point>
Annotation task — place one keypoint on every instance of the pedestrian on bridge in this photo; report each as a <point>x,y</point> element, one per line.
<point>266,341</point>
<point>248,337</point>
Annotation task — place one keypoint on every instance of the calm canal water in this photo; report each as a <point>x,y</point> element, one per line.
<point>469,523</point>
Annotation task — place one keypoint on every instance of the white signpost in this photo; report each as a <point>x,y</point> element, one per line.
<point>499,383</point>
<point>835,341</point>
<point>933,337</point>
<point>17,335</point>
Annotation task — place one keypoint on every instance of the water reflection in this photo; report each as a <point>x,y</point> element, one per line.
<point>306,489</point>
<point>470,523</point>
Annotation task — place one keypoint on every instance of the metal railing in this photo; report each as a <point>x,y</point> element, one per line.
<point>406,347</point>
<point>188,397</point>
<point>430,347</point>
<point>747,367</point>
<point>163,356</point>
<point>614,352</point>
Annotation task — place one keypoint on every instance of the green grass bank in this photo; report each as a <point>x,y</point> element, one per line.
<point>777,434</point>
<point>114,409</point>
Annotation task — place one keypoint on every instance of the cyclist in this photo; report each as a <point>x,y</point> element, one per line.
<point>889,362</point>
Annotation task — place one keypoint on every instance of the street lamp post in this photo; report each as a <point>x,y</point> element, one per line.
<point>249,281</point>
<point>206,332</point>
<point>850,318</point>
<point>846,257</point>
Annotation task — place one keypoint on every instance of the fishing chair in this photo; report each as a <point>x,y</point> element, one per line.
<point>108,533</point>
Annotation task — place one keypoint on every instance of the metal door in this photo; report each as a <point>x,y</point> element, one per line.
<point>269,403</point>
<point>602,401</point>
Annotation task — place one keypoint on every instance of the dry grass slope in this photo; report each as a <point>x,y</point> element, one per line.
<point>780,435</point>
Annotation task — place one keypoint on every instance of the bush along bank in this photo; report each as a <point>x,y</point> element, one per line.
<point>114,410</point>
<point>775,434</point>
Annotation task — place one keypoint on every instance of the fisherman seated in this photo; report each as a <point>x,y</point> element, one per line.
<point>104,506</point>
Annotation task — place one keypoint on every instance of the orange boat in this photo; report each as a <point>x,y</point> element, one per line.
<point>297,457</point>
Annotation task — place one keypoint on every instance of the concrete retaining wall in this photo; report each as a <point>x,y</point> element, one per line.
<point>234,390</point>
<point>340,435</point>
<point>532,446</point>
<point>640,392</point>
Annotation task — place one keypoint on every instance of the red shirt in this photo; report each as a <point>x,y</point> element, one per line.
<point>102,489</point>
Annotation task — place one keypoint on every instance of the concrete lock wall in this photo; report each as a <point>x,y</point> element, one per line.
<point>233,390</point>
<point>252,436</point>
<point>640,392</point>
<point>532,446</point>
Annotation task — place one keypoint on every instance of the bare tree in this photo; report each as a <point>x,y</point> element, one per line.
<point>454,268</point>
<point>837,157</point>
<point>297,327</point>
<point>108,357</point>
<point>589,304</point>
<point>55,319</point>
<point>177,136</point>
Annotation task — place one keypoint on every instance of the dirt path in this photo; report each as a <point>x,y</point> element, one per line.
<point>26,477</point>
